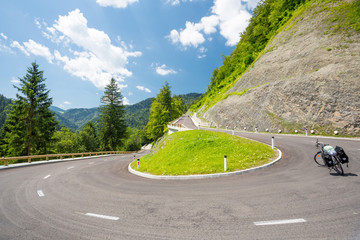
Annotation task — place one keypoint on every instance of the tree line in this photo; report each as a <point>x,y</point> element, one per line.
<point>30,127</point>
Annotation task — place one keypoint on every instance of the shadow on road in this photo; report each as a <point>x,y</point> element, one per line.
<point>345,174</point>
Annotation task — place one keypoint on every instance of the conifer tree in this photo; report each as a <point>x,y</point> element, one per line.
<point>30,124</point>
<point>163,110</point>
<point>87,138</point>
<point>112,122</point>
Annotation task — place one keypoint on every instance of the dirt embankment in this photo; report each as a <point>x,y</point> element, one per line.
<point>307,78</point>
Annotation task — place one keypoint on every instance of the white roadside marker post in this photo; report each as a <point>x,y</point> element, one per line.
<point>272,142</point>
<point>225,163</point>
<point>138,163</point>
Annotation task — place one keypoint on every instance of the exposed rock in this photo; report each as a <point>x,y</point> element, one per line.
<point>308,78</point>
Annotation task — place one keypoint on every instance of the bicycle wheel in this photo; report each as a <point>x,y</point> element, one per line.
<point>318,159</point>
<point>337,167</point>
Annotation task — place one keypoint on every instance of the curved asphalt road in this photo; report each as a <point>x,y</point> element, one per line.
<point>99,199</point>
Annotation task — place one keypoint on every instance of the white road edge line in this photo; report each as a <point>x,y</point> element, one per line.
<point>277,222</point>
<point>47,176</point>
<point>102,216</point>
<point>70,168</point>
<point>40,193</point>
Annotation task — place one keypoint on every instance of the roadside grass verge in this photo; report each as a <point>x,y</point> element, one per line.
<point>202,152</point>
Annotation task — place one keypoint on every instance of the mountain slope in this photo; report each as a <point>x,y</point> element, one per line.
<point>136,115</point>
<point>306,78</point>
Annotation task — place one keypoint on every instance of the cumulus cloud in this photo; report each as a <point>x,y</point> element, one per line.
<point>192,34</point>
<point>233,17</point>
<point>16,44</point>
<point>32,47</point>
<point>95,59</point>
<point>115,3</point>
<point>38,50</point>
<point>99,60</point>
<point>230,16</point>
<point>163,70</point>
<point>67,103</point>
<point>142,88</point>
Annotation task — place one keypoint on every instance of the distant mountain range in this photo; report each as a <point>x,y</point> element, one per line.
<point>136,115</point>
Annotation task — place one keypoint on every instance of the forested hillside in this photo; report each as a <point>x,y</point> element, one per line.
<point>4,103</point>
<point>136,115</point>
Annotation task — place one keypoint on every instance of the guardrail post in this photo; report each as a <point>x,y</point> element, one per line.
<point>225,163</point>
<point>29,159</point>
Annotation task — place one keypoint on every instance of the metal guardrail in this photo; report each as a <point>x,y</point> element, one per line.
<point>57,156</point>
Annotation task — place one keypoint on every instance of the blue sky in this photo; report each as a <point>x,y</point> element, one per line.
<point>81,44</point>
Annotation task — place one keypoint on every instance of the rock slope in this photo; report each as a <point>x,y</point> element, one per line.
<point>307,78</point>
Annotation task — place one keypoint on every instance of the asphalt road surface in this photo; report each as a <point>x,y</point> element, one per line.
<point>99,199</point>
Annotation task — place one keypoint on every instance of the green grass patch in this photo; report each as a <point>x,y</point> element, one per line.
<point>202,152</point>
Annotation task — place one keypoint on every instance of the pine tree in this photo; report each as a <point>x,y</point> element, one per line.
<point>112,122</point>
<point>30,124</point>
<point>163,110</point>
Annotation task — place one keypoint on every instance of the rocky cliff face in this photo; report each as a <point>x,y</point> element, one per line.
<point>307,78</point>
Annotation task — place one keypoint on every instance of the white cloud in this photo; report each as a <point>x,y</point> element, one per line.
<point>122,86</point>
<point>209,24</point>
<point>190,36</point>
<point>202,51</point>
<point>67,103</point>
<point>142,88</point>
<point>233,19</point>
<point>177,2</point>
<point>126,101</point>
<point>16,44</point>
<point>115,3</point>
<point>230,16</point>
<point>38,50</point>
<point>99,60</point>
<point>15,80</point>
<point>3,35</point>
<point>163,70</point>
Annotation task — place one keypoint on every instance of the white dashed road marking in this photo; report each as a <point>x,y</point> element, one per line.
<point>277,222</point>
<point>47,176</point>
<point>102,216</point>
<point>70,168</point>
<point>91,162</point>
<point>40,193</point>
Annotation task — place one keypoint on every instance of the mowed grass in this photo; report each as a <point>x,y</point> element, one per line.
<point>202,152</point>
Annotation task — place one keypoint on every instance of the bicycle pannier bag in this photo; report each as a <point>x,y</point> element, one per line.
<point>342,155</point>
<point>327,158</point>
